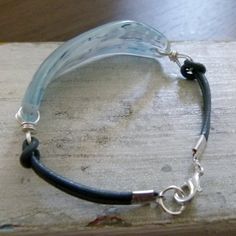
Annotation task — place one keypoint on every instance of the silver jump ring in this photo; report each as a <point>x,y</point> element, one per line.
<point>160,200</point>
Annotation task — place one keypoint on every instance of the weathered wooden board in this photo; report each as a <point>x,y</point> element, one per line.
<point>124,124</point>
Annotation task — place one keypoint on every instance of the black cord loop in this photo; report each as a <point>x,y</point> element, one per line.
<point>190,68</point>
<point>29,150</point>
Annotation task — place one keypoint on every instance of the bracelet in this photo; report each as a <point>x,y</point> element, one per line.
<point>115,38</point>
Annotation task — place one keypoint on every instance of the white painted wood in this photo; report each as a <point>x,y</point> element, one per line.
<point>123,124</point>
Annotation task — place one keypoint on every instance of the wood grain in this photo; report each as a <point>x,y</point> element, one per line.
<point>59,20</point>
<point>124,124</point>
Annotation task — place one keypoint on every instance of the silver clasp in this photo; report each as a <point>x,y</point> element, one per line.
<point>192,185</point>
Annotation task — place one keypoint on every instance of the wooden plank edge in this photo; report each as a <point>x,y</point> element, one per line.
<point>227,226</point>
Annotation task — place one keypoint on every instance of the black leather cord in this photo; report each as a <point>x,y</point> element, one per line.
<point>30,157</point>
<point>192,70</point>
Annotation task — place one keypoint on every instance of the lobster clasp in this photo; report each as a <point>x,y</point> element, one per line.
<point>192,185</point>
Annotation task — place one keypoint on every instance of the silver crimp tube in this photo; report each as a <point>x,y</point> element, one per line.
<point>199,147</point>
<point>143,196</point>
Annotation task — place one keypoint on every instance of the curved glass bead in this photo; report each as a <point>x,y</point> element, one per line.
<point>115,38</point>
